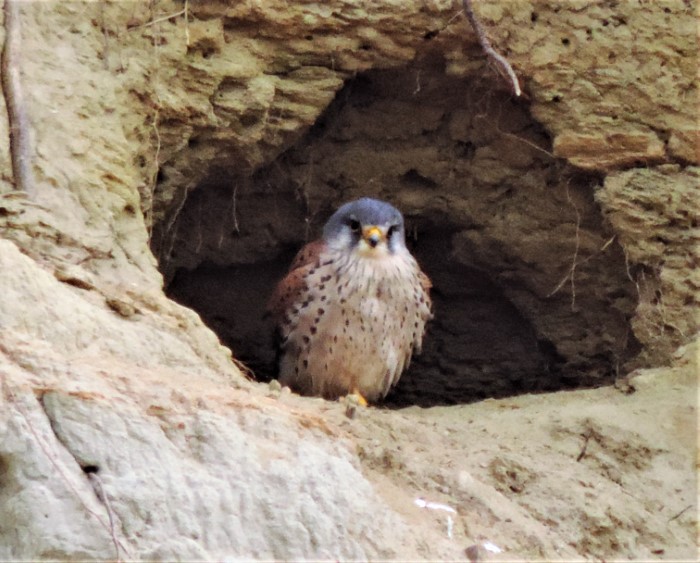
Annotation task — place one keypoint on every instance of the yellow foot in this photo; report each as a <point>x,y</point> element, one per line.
<point>352,401</point>
<point>356,398</point>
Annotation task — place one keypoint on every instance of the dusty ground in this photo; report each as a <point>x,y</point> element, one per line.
<point>600,474</point>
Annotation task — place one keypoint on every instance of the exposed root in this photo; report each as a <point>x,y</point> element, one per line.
<point>200,234</point>
<point>679,514</point>
<point>501,62</point>
<point>169,234</point>
<point>100,492</point>
<point>182,12</point>
<point>234,212</point>
<point>148,206</point>
<point>570,275</point>
<point>20,146</point>
<point>586,439</point>
<point>154,181</point>
<point>528,143</point>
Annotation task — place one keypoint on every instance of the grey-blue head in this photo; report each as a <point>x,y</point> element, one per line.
<point>370,226</point>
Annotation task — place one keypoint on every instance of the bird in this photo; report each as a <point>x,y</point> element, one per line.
<point>353,307</point>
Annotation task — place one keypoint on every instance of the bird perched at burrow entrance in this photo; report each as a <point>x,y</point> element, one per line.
<point>353,307</point>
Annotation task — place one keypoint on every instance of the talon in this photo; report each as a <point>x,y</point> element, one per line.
<point>356,398</point>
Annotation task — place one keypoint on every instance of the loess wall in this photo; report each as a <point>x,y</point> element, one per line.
<point>187,149</point>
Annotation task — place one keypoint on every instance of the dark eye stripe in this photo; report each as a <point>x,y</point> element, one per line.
<point>354,225</point>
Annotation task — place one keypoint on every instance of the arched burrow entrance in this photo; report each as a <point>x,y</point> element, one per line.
<point>530,287</point>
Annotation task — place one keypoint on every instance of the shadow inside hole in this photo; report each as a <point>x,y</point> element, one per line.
<point>478,345</point>
<point>231,300</point>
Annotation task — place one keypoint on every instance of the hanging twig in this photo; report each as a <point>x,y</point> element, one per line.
<point>501,62</point>
<point>20,147</point>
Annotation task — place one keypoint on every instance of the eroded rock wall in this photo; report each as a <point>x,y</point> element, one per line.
<point>531,291</point>
<point>656,214</point>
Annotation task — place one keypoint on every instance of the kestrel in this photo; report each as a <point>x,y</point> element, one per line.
<point>353,307</point>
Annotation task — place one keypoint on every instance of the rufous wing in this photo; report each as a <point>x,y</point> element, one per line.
<point>293,285</point>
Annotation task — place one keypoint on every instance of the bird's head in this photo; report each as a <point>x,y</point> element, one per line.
<point>369,227</point>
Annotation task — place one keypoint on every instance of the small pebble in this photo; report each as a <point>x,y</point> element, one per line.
<point>474,553</point>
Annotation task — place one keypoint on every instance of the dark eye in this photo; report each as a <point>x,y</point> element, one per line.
<point>393,229</point>
<point>354,225</point>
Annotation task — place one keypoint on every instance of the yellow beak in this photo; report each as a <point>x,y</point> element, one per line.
<point>372,235</point>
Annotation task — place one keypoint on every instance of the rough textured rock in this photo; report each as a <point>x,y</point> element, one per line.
<point>560,231</point>
<point>191,467</point>
<point>656,215</point>
<point>193,474</point>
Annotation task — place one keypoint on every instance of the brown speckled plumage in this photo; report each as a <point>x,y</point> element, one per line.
<point>350,316</point>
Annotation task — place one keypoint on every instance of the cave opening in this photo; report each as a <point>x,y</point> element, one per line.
<point>531,290</point>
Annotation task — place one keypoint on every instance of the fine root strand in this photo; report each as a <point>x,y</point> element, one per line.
<point>499,60</point>
<point>99,490</point>
<point>571,273</point>
<point>21,152</point>
<point>44,447</point>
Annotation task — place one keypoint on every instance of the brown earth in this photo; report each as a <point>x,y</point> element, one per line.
<point>185,151</point>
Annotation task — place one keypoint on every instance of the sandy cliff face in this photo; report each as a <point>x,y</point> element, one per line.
<point>187,150</point>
